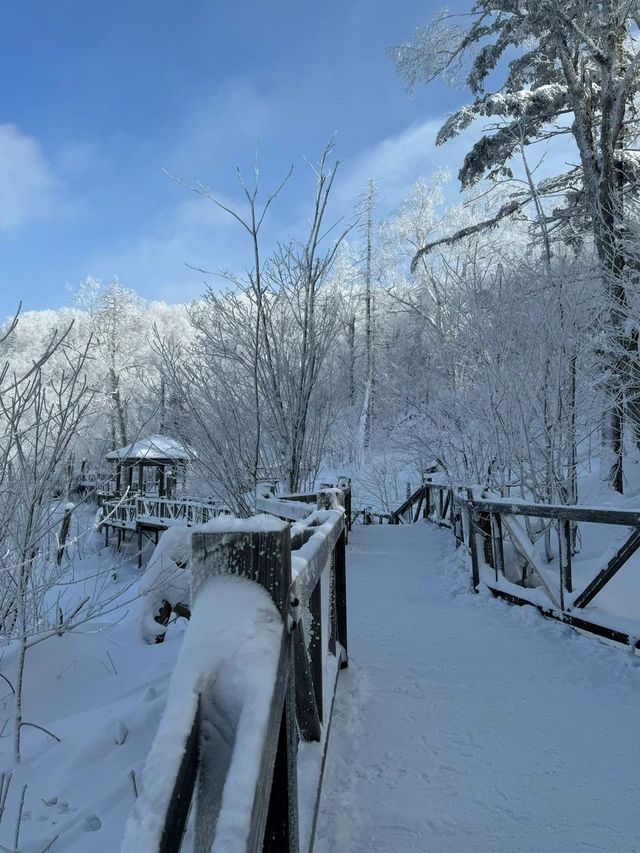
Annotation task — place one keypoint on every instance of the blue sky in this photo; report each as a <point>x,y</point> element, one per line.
<point>100,98</point>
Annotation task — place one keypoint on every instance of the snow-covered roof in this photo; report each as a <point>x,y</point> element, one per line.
<point>154,447</point>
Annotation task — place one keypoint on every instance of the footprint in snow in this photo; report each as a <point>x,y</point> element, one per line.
<point>92,824</point>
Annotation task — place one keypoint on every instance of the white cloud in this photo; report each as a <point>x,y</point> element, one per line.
<point>397,162</point>
<point>193,233</point>
<point>196,232</point>
<point>28,188</point>
<point>224,127</point>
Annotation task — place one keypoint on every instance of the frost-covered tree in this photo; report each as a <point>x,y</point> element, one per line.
<point>113,316</point>
<point>564,68</point>
<point>267,341</point>
<point>40,416</point>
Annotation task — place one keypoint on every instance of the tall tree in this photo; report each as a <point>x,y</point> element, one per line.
<point>368,206</point>
<point>114,317</point>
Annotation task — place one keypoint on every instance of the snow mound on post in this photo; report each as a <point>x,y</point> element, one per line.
<point>262,523</point>
<point>230,652</point>
<point>166,578</point>
<point>168,575</point>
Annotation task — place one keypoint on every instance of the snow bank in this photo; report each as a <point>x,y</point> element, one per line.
<point>229,654</point>
<point>168,575</point>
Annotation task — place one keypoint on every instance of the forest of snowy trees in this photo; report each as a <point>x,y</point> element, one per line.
<point>497,337</point>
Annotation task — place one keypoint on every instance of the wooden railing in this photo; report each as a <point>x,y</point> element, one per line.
<point>120,513</point>
<point>481,522</point>
<point>229,738</point>
<point>129,512</point>
<point>171,511</point>
<point>430,500</point>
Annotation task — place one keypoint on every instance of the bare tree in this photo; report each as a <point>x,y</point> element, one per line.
<point>266,339</point>
<point>40,417</point>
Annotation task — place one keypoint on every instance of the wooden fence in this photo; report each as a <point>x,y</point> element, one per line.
<point>302,565</point>
<point>482,522</point>
<point>129,512</point>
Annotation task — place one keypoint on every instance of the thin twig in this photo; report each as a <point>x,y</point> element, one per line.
<point>4,677</point>
<point>132,774</point>
<point>42,729</point>
<point>16,837</point>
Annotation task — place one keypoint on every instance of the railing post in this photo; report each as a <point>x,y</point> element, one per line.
<point>315,647</point>
<point>339,567</point>
<point>338,591</point>
<point>485,528</point>
<point>565,536</point>
<point>498,544</point>
<point>344,483</point>
<point>458,525</point>
<point>264,556</point>
<point>473,543</point>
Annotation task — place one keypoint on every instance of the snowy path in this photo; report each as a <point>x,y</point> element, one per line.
<point>467,726</point>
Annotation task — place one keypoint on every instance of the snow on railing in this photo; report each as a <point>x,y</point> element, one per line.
<point>224,679</point>
<point>257,671</point>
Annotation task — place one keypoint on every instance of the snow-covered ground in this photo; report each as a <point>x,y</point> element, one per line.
<point>464,724</point>
<point>101,690</point>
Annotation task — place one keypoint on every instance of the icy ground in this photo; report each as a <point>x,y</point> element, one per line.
<point>465,725</point>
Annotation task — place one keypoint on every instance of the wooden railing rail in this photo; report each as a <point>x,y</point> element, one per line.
<point>302,567</point>
<point>481,521</point>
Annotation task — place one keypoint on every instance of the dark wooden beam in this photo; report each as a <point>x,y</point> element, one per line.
<point>180,803</point>
<point>340,569</point>
<point>315,648</point>
<point>569,619</point>
<point>306,707</point>
<point>612,568</point>
<point>592,515</point>
<point>473,543</point>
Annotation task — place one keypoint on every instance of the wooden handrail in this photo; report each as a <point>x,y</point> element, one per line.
<point>480,523</point>
<point>302,696</point>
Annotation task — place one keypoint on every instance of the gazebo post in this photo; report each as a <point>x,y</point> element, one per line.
<point>118,477</point>
<point>161,488</point>
<point>140,470</point>
<point>130,478</point>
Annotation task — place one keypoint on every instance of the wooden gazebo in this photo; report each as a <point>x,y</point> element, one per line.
<point>164,454</point>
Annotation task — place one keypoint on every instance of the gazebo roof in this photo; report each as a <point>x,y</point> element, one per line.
<point>154,448</point>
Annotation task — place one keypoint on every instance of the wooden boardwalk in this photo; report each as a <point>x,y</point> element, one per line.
<point>464,724</point>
